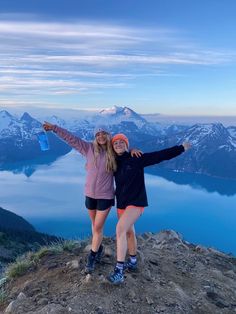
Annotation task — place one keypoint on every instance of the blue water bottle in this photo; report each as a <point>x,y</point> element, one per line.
<point>43,140</point>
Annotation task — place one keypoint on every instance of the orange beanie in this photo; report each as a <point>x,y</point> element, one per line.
<point>120,136</point>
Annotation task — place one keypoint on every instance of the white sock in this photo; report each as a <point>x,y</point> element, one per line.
<point>133,259</point>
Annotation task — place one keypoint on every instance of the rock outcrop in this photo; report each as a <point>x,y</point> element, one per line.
<point>173,277</point>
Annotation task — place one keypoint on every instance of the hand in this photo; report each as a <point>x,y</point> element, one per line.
<point>48,126</point>
<point>136,152</point>
<point>186,145</point>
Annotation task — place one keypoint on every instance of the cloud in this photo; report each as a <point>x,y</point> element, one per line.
<point>93,43</point>
<point>49,58</point>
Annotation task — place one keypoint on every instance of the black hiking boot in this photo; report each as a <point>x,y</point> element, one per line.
<point>90,265</point>
<point>100,254</point>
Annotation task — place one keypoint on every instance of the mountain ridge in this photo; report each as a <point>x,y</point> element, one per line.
<point>18,236</point>
<point>12,221</point>
<point>211,142</point>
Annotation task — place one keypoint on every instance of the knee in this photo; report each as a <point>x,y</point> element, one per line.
<point>97,228</point>
<point>120,231</point>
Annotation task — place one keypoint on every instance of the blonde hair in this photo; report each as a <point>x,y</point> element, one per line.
<point>110,155</point>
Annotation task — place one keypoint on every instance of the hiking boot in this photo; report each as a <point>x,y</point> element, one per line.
<point>100,254</point>
<point>90,265</point>
<point>130,266</point>
<point>117,277</point>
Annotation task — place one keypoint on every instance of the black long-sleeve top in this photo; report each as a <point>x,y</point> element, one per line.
<point>129,177</point>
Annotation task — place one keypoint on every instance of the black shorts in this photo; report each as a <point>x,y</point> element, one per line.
<point>99,204</point>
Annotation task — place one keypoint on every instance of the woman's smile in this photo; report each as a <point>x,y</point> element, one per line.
<point>101,138</point>
<point>119,147</point>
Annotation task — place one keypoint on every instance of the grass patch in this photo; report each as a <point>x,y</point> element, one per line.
<point>69,245</point>
<point>53,248</point>
<point>35,257</point>
<point>3,296</point>
<point>25,262</point>
<point>19,268</point>
<point>62,245</point>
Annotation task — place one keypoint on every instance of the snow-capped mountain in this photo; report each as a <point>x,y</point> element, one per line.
<point>172,129</point>
<point>112,118</point>
<point>232,131</point>
<point>6,119</point>
<point>79,125</point>
<point>116,115</point>
<point>18,140</point>
<point>21,128</point>
<point>213,149</point>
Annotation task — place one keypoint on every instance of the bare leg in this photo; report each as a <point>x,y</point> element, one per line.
<point>131,238</point>
<point>98,218</point>
<point>125,224</point>
<point>132,241</point>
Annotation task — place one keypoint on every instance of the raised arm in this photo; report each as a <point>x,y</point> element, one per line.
<point>72,140</point>
<point>153,158</point>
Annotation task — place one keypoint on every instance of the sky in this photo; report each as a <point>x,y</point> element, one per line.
<point>154,56</point>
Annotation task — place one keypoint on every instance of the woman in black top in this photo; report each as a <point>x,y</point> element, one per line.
<point>132,198</point>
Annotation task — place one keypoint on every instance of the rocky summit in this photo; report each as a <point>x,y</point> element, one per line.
<point>173,277</point>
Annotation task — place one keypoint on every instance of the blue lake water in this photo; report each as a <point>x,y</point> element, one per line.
<point>202,209</point>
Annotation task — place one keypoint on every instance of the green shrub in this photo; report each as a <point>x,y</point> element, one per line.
<point>3,295</point>
<point>68,245</point>
<point>62,245</point>
<point>19,268</point>
<point>25,262</point>
<point>43,251</point>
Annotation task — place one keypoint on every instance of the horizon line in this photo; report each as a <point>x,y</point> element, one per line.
<point>186,115</point>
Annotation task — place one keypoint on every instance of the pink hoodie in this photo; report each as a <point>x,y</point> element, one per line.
<point>99,183</point>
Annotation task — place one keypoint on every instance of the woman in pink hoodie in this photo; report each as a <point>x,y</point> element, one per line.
<point>99,186</point>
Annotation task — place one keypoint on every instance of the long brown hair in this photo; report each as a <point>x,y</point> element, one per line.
<point>110,155</point>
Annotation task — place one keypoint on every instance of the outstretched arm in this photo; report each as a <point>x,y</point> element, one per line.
<point>72,140</point>
<point>153,158</point>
